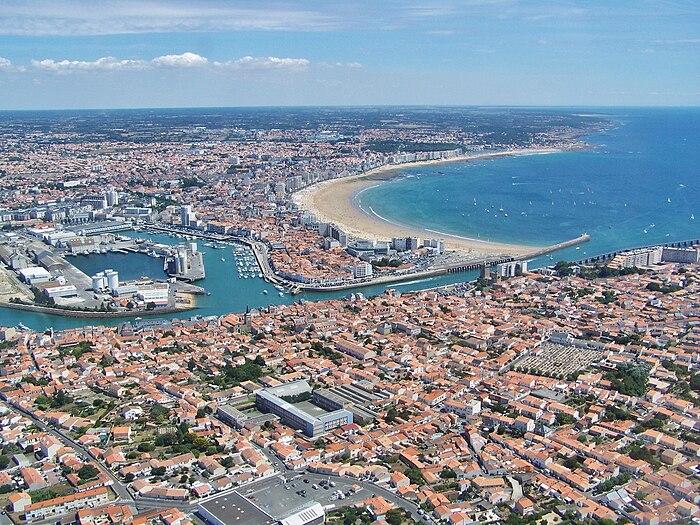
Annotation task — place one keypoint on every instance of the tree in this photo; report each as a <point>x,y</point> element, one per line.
<point>695,382</point>
<point>88,472</point>
<point>448,473</point>
<point>145,447</point>
<point>630,378</point>
<point>394,517</point>
<point>565,419</point>
<point>415,476</point>
<point>160,413</point>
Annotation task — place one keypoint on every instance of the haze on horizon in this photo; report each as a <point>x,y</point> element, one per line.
<point>160,53</point>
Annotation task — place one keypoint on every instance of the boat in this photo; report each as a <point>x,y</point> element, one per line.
<point>265,292</point>
<point>223,260</point>
<point>692,217</point>
<point>281,294</point>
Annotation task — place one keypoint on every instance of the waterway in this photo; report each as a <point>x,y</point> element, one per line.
<point>229,292</point>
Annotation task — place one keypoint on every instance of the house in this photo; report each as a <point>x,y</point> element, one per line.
<point>33,479</point>
<point>377,507</point>
<point>121,434</point>
<point>524,506</point>
<point>131,412</point>
<point>64,504</point>
<point>49,446</point>
<point>20,501</point>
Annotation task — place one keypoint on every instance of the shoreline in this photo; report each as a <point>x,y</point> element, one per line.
<point>334,201</point>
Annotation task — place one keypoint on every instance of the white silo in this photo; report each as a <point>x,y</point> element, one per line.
<point>98,281</point>
<point>112,279</point>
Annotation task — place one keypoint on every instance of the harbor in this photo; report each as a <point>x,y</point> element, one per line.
<point>48,275</point>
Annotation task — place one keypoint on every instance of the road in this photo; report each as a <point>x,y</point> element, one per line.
<point>517,489</point>
<point>284,475</point>
<point>123,494</point>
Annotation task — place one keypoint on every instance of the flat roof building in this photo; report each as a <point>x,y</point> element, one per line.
<point>273,400</point>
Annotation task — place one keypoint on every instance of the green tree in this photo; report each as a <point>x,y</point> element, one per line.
<point>394,517</point>
<point>88,472</point>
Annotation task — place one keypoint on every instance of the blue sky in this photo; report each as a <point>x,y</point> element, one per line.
<point>158,53</point>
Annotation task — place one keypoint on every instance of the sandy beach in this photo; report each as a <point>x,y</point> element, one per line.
<point>332,201</point>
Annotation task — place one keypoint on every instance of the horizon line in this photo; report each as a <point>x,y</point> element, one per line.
<point>357,106</point>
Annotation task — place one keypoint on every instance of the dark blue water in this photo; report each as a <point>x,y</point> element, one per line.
<point>129,265</point>
<point>639,185</point>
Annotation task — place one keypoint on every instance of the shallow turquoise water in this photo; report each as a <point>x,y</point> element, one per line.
<point>639,185</point>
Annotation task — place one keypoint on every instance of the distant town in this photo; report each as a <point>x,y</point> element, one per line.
<point>563,394</point>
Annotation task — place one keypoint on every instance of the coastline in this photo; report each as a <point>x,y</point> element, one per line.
<point>333,201</point>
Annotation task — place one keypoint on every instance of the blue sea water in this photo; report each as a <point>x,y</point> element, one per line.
<point>638,184</point>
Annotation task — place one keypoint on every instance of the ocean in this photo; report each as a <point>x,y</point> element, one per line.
<point>638,184</point>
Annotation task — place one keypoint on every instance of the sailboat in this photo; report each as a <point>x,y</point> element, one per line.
<point>692,217</point>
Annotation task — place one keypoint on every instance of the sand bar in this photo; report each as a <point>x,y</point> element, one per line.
<point>332,201</point>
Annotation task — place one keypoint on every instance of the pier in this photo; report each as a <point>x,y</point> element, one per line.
<point>556,247</point>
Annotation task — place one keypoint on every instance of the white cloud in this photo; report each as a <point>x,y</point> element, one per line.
<point>183,60</point>
<point>678,41</point>
<point>103,64</point>
<point>249,62</point>
<point>5,63</point>
<point>441,32</point>
<point>88,17</point>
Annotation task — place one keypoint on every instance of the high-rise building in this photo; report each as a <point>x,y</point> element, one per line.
<point>362,269</point>
<point>185,214</point>
<point>112,197</point>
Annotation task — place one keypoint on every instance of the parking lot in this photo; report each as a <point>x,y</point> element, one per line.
<point>282,496</point>
<point>232,509</point>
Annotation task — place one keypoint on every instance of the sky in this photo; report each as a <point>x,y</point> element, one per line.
<point>57,54</point>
